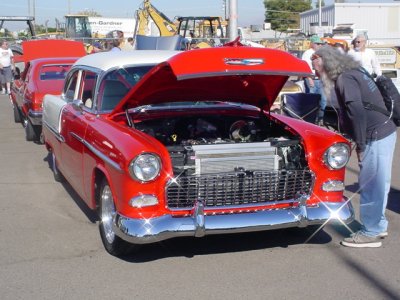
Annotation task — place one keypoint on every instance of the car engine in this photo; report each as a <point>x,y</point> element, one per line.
<point>209,144</point>
<point>230,161</point>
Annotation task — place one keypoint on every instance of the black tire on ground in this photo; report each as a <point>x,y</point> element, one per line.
<point>112,243</point>
<point>17,114</point>
<point>32,132</point>
<point>56,172</point>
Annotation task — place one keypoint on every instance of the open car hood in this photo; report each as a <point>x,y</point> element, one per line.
<point>239,74</point>
<point>51,48</point>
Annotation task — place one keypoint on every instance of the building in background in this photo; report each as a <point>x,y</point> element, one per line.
<point>381,21</point>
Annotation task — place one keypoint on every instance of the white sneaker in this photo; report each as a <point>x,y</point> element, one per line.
<point>382,235</point>
<point>3,92</point>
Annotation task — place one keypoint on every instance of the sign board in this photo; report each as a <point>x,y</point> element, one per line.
<point>101,26</point>
<point>385,55</point>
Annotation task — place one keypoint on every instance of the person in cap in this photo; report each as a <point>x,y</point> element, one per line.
<point>373,133</point>
<point>314,84</point>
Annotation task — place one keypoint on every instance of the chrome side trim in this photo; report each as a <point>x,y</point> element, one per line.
<point>58,136</point>
<point>145,231</point>
<point>96,152</point>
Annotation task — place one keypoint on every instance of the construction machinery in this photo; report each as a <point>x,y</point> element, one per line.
<point>199,32</point>
<point>15,46</point>
<point>146,12</point>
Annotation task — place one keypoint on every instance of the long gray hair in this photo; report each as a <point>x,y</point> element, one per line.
<point>334,63</point>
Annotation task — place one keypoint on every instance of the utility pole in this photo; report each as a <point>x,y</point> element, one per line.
<point>320,14</point>
<point>34,13</point>
<point>233,18</point>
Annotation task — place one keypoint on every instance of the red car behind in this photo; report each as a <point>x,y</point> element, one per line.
<point>46,64</point>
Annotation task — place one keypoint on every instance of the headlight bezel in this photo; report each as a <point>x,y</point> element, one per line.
<point>134,168</point>
<point>332,151</point>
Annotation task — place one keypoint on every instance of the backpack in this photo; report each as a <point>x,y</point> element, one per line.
<point>390,95</point>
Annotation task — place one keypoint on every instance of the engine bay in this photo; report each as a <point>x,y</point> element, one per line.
<point>225,143</point>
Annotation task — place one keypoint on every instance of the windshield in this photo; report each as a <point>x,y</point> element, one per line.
<point>117,83</point>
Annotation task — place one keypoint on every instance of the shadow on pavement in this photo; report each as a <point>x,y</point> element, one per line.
<point>190,247</point>
<point>89,213</point>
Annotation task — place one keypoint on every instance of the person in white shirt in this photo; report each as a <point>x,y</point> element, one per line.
<point>6,66</point>
<point>365,56</point>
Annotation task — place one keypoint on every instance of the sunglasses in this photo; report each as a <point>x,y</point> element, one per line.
<point>314,57</point>
<point>358,42</point>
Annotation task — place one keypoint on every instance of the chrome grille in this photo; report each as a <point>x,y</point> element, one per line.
<point>238,189</point>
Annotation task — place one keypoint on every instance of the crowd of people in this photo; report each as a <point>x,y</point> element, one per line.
<point>358,52</point>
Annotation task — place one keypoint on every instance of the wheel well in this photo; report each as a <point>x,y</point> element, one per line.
<point>98,178</point>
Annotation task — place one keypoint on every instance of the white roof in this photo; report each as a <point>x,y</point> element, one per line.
<point>112,59</point>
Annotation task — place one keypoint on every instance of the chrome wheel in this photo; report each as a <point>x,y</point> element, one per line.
<point>107,213</point>
<point>112,242</point>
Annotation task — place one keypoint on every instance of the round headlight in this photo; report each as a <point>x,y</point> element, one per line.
<point>337,156</point>
<point>145,167</point>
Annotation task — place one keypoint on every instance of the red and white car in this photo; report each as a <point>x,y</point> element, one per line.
<point>46,62</point>
<point>165,144</point>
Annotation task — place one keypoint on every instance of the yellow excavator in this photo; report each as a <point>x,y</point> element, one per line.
<point>200,32</point>
<point>146,12</point>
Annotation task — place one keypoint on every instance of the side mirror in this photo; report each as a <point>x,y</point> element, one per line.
<point>77,104</point>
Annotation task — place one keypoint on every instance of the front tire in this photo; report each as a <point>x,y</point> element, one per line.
<point>31,131</point>
<point>112,243</point>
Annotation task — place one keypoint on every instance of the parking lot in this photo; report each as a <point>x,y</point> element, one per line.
<point>50,247</point>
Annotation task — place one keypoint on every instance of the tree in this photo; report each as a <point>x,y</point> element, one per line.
<point>284,14</point>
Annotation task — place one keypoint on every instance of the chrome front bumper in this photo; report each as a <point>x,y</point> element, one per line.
<point>145,231</point>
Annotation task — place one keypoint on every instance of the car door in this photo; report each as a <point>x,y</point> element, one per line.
<point>20,84</point>
<point>74,122</point>
<point>72,129</point>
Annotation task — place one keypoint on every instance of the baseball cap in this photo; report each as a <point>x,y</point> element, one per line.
<point>315,39</point>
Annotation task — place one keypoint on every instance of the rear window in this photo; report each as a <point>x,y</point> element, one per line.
<point>54,72</point>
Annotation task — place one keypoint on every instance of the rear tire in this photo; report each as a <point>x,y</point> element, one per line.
<point>17,114</point>
<point>112,243</point>
<point>56,172</point>
<point>31,131</point>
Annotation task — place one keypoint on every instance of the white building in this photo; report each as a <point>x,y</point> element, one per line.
<point>380,20</point>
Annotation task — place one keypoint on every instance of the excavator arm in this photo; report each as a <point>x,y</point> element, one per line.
<point>163,23</point>
<point>142,24</point>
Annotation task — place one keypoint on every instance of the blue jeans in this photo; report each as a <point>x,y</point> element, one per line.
<point>374,180</point>
<point>317,89</point>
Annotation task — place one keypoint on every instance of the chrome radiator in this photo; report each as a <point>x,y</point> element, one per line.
<point>222,158</point>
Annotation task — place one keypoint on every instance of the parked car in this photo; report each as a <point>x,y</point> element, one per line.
<point>46,62</point>
<point>182,144</point>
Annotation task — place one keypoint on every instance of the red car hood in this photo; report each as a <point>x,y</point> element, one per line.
<point>236,74</point>
<point>52,48</point>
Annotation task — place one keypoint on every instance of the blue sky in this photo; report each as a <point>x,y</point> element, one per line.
<point>250,12</point>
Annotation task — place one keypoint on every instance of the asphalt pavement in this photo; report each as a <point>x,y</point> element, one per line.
<point>50,247</point>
